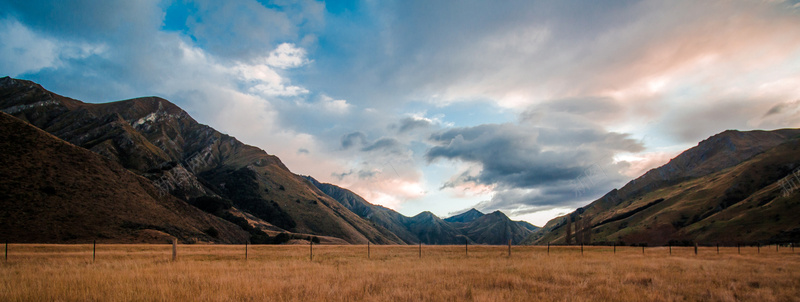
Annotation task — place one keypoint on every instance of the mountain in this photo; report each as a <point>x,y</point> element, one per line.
<point>157,140</point>
<point>493,228</point>
<point>382,216</point>
<point>467,216</point>
<point>526,225</point>
<point>472,226</point>
<point>734,187</point>
<point>55,192</point>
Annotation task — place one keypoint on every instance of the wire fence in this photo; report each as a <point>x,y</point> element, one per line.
<point>93,252</point>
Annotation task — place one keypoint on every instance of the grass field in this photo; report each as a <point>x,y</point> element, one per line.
<point>395,273</point>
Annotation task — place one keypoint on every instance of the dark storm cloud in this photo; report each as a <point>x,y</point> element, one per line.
<point>535,166</point>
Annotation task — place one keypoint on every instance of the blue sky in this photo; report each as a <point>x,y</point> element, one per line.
<point>529,107</point>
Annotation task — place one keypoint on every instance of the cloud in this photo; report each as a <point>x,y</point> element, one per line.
<point>287,56</point>
<point>410,123</point>
<point>353,139</point>
<point>247,28</point>
<point>390,145</point>
<point>333,105</point>
<point>532,165</point>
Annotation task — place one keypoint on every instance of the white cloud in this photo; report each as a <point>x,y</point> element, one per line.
<point>333,105</point>
<point>287,56</point>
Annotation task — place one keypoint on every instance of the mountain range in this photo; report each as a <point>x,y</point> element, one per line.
<point>143,170</point>
<point>471,226</point>
<point>145,158</point>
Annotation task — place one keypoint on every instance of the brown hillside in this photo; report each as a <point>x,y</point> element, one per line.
<point>157,140</point>
<point>53,191</point>
<point>726,190</point>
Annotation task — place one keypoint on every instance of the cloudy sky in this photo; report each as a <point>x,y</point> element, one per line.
<point>529,107</point>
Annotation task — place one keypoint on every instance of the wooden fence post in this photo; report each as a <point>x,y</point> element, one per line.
<point>466,246</point>
<point>6,250</point>
<point>642,249</point>
<point>695,248</point>
<point>717,248</point>
<point>670,249</point>
<point>311,250</point>
<point>738,248</point>
<point>581,249</point>
<point>615,248</point>
<point>548,248</point>
<point>759,247</point>
<point>420,249</point>
<point>776,247</point>
<point>174,249</point>
<point>245,250</point>
<point>509,247</point>
<point>94,249</point>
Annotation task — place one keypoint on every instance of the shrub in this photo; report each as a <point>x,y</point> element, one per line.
<point>212,232</point>
<point>281,238</point>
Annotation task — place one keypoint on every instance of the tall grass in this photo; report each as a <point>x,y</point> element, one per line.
<point>395,273</point>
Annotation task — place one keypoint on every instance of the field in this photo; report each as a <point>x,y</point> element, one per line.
<point>396,273</point>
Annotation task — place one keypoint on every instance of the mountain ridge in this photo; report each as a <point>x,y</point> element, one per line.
<point>426,227</point>
<point>159,141</point>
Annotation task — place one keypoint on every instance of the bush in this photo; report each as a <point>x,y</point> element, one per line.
<point>212,232</point>
<point>211,204</point>
<point>281,238</point>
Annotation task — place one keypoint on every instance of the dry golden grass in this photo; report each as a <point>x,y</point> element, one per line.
<point>395,273</point>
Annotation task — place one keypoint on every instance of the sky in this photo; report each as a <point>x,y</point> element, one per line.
<point>534,108</point>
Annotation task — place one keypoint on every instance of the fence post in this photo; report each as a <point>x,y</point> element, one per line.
<point>174,249</point>
<point>311,250</point>
<point>509,247</point>
<point>581,249</point>
<point>368,252</point>
<point>717,248</point>
<point>6,250</point>
<point>776,247</point>
<point>670,249</point>
<point>245,250</point>
<point>759,247</point>
<point>548,248</point>
<point>738,249</point>
<point>615,248</point>
<point>695,248</point>
<point>466,246</point>
<point>643,249</point>
<point>94,249</point>
<point>420,249</point>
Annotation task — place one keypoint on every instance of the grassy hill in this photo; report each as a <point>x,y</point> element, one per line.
<point>731,188</point>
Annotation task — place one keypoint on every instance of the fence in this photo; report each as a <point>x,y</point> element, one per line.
<point>327,252</point>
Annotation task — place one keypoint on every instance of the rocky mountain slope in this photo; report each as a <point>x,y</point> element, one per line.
<point>471,226</point>
<point>193,162</point>
<point>55,192</point>
<point>734,187</point>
